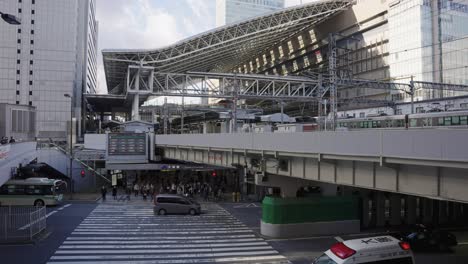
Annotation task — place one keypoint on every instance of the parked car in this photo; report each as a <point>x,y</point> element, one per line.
<point>175,204</point>
<point>422,238</point>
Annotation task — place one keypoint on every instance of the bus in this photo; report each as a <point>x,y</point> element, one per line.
<point>32,192</point>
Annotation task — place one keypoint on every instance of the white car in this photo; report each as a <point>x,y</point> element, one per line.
<point>376,250</point>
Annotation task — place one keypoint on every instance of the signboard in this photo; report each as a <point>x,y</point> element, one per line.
<point>4,150</point>
<point>120,144</point>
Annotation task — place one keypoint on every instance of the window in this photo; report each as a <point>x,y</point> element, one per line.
<point>17,92</point>
<point>18,61</point>
<point>399,112</point>
<point>30,72</point>
<point>31,62</point>
<point>30,82</point>
<point>32,12</point>
<point>19,10</point>
<point>464,120</point>
<point>17,102</point>
<point>420,109</point>
<point>33,1</point>
<point>30,92</point>
<point>32,41</point>
<point>30,103</point>
<point>19,41</point>
<point>19,30</point>
<point>32,21</point>
<point>18,51</point>
<point>464,105</point>
<point>31,52</point>
<point>362,114</point>
<point>17,81</point>
<point>18,71</point>
<point>32,31</point>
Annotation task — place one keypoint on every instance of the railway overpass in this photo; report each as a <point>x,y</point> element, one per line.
<point>424,165</point>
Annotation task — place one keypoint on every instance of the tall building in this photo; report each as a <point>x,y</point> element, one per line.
<point>53,52</point>
<point>229,11</point>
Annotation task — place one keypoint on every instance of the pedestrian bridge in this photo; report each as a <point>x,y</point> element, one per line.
<point>431,163</point>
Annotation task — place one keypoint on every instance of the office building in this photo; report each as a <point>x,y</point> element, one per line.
<point>230,11</point>
<point>53,52</point>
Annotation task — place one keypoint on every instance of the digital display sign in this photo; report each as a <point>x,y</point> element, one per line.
<point>120,144</point>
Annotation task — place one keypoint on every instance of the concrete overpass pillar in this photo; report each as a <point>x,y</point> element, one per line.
<point>427,209</point>
<point>380,209</point>
<point>443,207</point>
<point>395,209</point>
<point>365,221</point>
<point>410,210</point>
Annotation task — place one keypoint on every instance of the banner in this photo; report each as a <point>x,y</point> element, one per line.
<point>4,151</point>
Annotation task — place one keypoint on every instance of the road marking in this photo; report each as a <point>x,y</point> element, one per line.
<point>28,225</point>
<point>162,256</point>
<point>125,234</point>
<point>251,205</point>
<point>164,246</point>
<point>126,238</point>
<point>339,239</point>
<point>63,207</point>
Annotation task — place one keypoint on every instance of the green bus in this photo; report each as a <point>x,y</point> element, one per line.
<point>32,192</point>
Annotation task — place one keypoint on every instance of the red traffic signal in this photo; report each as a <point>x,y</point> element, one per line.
<point>82,173</point>
<point>213,174</point>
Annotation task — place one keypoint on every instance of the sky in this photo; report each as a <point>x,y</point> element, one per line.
<point>152,24</point>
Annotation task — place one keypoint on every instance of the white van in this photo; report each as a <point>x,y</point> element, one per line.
<point>376,250</point>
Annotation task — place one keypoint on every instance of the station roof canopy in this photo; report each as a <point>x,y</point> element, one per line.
<point>222,49</point>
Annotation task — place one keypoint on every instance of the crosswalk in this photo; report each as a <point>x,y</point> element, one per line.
<point>131,233</point>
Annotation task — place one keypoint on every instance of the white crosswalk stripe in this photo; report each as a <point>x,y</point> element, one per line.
<point>131,233</point>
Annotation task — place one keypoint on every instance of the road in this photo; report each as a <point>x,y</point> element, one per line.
<point>129,232</point>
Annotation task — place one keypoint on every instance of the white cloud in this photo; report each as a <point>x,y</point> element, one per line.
<point>133,25</point>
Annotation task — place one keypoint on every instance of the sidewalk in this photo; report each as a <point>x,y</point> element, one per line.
<point>88,197</point>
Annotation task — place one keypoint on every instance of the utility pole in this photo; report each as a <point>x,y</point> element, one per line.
<point>332,53</point>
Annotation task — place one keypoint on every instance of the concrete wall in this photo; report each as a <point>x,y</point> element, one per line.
<point>11,155</point>
<point>95,141</point>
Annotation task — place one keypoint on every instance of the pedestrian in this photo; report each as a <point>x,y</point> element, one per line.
<point>12,140</point>
<point>128,191</point>
<point>136,189</point>
<point>114,192</point>
<point>144,193</point>
<point>103,192</point>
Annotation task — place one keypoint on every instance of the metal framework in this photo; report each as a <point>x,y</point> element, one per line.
<point>222,48</point>
<point>236,86</point>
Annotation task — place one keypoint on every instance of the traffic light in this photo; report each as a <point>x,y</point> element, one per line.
<point>83,173</point>
<point>213,174</point>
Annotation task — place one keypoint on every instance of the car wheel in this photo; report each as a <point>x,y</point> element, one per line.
<point>162,212</point>
<point>192,212</point>
<point>38,203</point>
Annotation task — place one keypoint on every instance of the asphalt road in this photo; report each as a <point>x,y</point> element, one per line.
<point>130,233</point>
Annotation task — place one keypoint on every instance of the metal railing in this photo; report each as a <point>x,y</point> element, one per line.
<point>21,223</point>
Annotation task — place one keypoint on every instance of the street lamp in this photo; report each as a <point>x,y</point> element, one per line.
<point>10,19</point>
<point>71,144</point>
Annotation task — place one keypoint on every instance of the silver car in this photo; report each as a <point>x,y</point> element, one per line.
<point>175,204</point>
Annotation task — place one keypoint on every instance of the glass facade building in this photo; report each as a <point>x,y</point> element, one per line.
<point>52,52</point>
<point>230,11</point>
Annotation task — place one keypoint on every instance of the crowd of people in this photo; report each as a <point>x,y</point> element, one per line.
<point>149,190</point>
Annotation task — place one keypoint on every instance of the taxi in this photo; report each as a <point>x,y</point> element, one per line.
<point>376,250</point>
